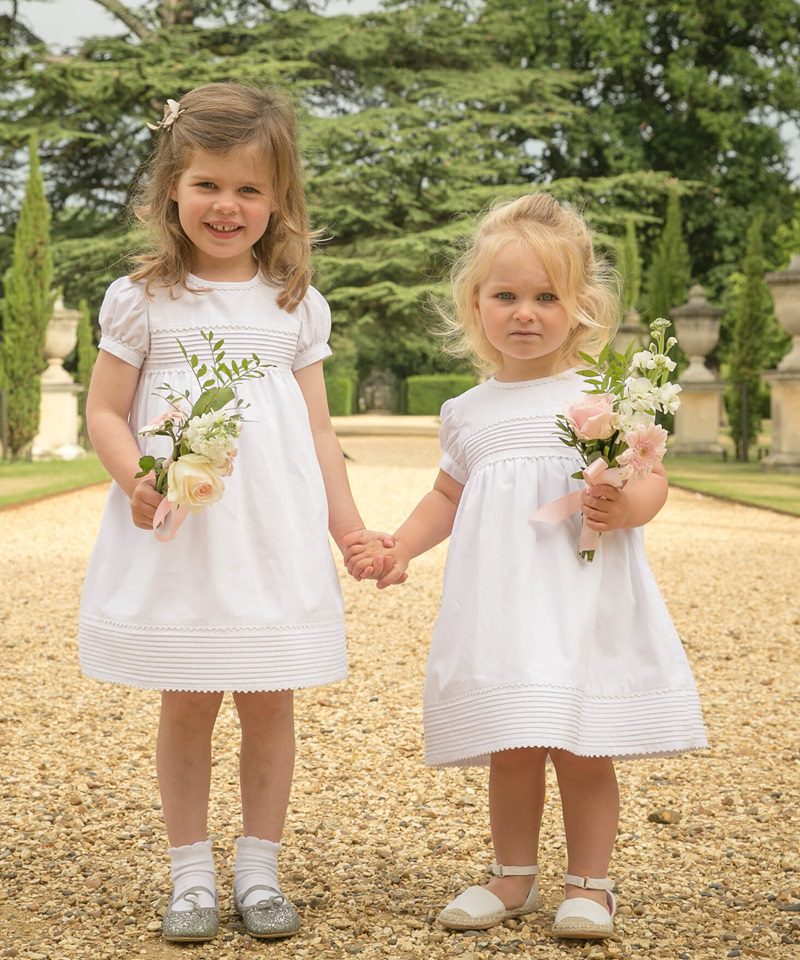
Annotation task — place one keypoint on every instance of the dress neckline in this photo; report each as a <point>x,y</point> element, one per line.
<point>535,381</point>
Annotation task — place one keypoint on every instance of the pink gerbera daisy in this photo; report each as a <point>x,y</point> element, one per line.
<point>646,447</point>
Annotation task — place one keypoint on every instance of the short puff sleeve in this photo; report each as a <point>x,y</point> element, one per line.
<point>124,323</point>
<point>315,329</point>
<point>453,461</point>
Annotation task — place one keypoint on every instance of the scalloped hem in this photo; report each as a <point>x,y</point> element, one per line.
<point>259,687</point>
<point>466,731</point>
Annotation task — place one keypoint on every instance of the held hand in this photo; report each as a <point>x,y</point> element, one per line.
<point>365,553</point>
<point>144,502</point>
<point>605,507</point>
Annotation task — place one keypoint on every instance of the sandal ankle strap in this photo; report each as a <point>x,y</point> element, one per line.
<point>588,883</point>
<point>500,871</point>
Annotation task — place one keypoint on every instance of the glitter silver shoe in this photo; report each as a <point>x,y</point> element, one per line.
<point>270,918</point>
<point>195,925</point>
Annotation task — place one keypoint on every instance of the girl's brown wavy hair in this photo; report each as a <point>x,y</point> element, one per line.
<point>219,118</point>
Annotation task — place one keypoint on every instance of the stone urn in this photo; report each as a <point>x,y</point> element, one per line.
<point>697,329</point>
<point>785,289</point>
<point>60,339</point>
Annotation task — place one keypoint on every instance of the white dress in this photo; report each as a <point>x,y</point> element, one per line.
<point>246,596</point>
<point>534,646</point>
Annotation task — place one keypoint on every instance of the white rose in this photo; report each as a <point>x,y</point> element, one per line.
<point>193,482</point>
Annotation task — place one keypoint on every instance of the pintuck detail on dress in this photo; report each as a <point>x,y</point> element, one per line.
<point>229,604</point>
<point>533,646</point>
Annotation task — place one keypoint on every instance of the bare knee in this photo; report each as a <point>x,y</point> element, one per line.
<point>517,759</point>
<point>265,708</point>
<point>571,767</point>
<point>191,711</point>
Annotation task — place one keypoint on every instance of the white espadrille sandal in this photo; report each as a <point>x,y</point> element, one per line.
<point>582,919</point>
<point>477,908</point>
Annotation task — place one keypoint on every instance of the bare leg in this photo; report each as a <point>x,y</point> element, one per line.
<point>590,805</point>
<point>183,762</point>
<point>266,761</point>
<point>516,802</point>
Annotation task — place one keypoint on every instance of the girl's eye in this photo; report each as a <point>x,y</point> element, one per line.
<point>505,295</point>
<point>547,297</point>
<point>249,190</point>
<point>206,185</point>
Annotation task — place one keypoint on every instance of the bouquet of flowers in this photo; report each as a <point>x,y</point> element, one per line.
<point>203,437</point>
<point>613,427</point>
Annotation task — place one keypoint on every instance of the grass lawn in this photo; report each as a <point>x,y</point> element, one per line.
<point>744,482</point>
<point>24,481</point>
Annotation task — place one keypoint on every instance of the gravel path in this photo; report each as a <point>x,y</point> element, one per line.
<point>376,843</point>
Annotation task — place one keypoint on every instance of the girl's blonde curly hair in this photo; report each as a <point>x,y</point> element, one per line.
<point>585,284</point>
<point>219,118</point>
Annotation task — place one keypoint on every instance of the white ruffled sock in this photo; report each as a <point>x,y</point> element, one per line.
<point>192,865</point>
<point>256,864</point>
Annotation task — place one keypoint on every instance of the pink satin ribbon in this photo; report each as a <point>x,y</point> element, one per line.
<point>597,472</point>
<point>167,520</point>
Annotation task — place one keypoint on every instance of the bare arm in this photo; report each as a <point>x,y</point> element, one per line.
<point>108,404</point>
<point>608,508</point>
<point>343,514</point>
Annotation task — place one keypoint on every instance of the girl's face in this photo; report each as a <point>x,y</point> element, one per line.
<point>224,205</point>
<point>522,317</point>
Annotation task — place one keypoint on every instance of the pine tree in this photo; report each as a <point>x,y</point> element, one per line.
<point>670,271</point>
<point>750,322</point>
<point>26,311</point>
<point>87,352</point>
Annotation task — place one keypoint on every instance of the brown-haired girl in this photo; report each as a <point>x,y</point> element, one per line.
<point>535,652</point>
<point>246,598</point>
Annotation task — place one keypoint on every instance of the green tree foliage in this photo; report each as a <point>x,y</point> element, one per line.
<point>87,352</point>
<point>415,117</point>
<point>26,310</point>
<point>669,274</point>
<point>630,267</point>
<point>750,328</point>
<point>697,88</point>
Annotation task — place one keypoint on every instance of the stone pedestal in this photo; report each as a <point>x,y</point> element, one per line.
<point>697,420</point>
<point>785,381</point>
<point>58,419</point>
<point>632,330</point>
<point>785,414</point>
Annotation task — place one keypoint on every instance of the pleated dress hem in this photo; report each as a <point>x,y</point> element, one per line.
<point>213,659</point>
<point>467,730</point>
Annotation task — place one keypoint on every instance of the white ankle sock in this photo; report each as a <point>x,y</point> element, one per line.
<point>192,865</point>
<point>256,863</point>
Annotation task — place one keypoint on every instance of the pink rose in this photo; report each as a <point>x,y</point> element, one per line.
<point>174,416</point>
<point>592,417</point>
<point>646,447</point>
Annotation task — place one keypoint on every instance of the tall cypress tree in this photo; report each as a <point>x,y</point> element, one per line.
<point>87,353</point>
<point>630,267</point>
<point>746,354</point>
<point>26,310</point>
<point>670,270</point>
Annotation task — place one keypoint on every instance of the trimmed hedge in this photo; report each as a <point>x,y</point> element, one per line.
<point>340,396</point>
<point>426,393</point>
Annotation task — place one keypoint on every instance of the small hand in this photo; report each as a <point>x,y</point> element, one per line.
<point>144,502</point>
<point>604,507</point>
<point>365,553</point>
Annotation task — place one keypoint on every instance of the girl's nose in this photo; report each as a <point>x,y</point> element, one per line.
<point>525,312</point>
<point>225,203</point>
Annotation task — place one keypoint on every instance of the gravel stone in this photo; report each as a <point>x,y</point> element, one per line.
<point>376,843</point>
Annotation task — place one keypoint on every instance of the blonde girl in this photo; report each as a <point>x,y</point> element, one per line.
<point>536,653</point>
<point>245,598</point>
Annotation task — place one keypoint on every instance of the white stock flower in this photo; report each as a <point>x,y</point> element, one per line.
<point>668,397</point>
<point>213,435</point>
<point>643,360</point>
<point>640,394</point>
